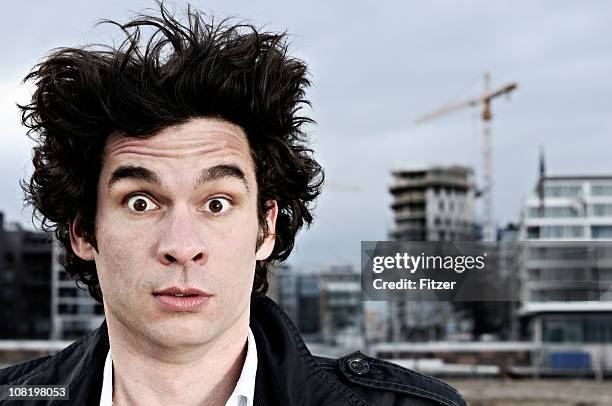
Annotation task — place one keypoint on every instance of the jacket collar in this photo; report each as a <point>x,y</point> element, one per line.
<point>287,373</point>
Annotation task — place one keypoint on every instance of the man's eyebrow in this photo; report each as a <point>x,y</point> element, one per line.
<point>133,172</point>
<point>222,171</point>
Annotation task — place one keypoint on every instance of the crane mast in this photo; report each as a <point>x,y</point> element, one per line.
<point>485,100</point>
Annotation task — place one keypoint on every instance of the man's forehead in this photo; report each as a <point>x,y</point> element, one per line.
<point>197,136</point>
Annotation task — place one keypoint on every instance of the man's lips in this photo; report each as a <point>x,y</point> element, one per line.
<point>175,291</point>
<point>176,299</point>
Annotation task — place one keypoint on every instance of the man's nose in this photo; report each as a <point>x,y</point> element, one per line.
<point>181,242</point>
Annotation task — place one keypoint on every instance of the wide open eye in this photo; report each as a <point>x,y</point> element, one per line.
<point>141,203</point>
<point>217,205</point>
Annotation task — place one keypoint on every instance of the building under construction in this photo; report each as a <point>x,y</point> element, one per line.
<point>434,204</point>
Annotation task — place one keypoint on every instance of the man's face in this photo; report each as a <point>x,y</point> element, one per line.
<point>178,211</point>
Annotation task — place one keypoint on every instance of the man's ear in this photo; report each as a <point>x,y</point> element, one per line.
<point>266,247</point>
<point>81,247</point>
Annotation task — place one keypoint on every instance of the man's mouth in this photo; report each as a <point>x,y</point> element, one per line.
<point>176,299</point>
<point>181,292</point>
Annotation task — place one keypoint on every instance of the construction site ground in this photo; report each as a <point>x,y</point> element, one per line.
<point>534,392</point>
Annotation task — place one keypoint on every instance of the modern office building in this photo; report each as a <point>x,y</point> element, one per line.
<point>342,306</point>
<point>433,204</point>
<point>324,303</point>
<point>74,312</point>
<point>38,299</point>
<point>566,262</point>
<point>25,283</point>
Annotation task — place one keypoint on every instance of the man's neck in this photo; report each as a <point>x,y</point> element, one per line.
<point>203,375</point>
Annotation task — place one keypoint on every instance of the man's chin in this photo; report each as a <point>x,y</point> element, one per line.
<point>172,337</point>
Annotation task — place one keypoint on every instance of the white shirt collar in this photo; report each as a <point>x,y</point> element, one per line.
<point>106,397</point>
<point>243,393</point>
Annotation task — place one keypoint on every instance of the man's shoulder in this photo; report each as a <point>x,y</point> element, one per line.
<point>79,367</point>
<point>43,368</point>
<point>381,382</point>
<point>15,372</point>
<point>64,366</point>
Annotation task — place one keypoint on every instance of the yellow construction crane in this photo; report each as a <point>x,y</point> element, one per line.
<point>485,100</point>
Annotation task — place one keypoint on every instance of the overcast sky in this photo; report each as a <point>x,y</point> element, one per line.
<point>377,66</point>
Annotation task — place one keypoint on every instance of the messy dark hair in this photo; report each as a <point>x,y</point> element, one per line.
<point>182,70</point>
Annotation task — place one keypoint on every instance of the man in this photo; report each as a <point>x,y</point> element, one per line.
<point>174,171</point>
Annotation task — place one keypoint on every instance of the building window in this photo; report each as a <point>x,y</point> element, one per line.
<point>560,211</point>
<point>564,274</point>
<point>67,308</point>
<point>558,253</point>
<point>533,233</point>
<point>562,190</point>
<point>562,331</point>
<point>602,274</point>
<point>565,231</point>
<point>603,189</point>
<point>602,210</point>
<point>577,331</point>
<point>563,295</point>
<point>534,274</point>
<point>601,231</point>
<point>68,292</point>
<point>7,275</point>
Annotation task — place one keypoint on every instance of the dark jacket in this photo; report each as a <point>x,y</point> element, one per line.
<point>287,373</point>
